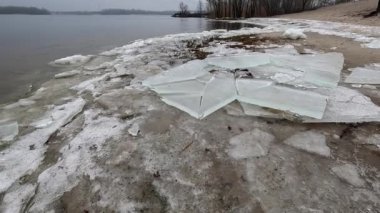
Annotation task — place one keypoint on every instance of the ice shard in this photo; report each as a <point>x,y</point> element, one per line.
<point>219,92</point>
<point>240,61</point>
<point>369,74</point>
<point>319,69</point>
<point>262,93</point>
<point>185,72</point>
<point>348,106</point>
<point>206,99</point>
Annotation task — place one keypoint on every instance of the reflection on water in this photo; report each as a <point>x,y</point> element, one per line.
<point>228,25</point>
<point>28,43</point>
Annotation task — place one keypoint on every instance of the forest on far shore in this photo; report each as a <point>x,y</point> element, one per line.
<point>23,10</point>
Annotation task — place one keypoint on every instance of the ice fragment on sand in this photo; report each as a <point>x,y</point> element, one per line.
<point>72,60</point>
<point>294,34</point>
<point>134,130</point>
<point>301,102</point>
<point>310,141</point>
<point>369,74</point>
<point>255,143</point>
<point>348,173</point>
<point>8,131</point>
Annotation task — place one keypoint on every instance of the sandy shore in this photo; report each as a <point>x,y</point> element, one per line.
<point>347,13</point>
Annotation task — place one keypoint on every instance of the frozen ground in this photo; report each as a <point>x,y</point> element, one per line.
<point>96,140</point>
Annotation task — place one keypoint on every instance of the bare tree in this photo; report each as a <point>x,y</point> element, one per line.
<point>200,7</point>
<point>183,9</point>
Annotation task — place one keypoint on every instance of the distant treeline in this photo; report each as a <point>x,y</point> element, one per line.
<point>253,8</point>
<point>116,12</point>
<point>23,10</point>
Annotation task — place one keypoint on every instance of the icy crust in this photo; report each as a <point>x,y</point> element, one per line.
<point>369,36</point>
<point>77,159</point>
<point>26,154</point>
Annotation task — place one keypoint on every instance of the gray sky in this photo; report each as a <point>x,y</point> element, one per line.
<point>62,5</point>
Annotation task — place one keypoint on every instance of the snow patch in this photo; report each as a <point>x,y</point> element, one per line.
<point>294,34</point>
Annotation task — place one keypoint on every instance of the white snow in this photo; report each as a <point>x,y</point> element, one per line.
<point>77,159</point>
<point>18,160</point>
<point>14,200</point>
<point>294,34</point>
<point>72,60</point>
<point>255,143</point>
<point>310,141</point>
<point>348,173</point>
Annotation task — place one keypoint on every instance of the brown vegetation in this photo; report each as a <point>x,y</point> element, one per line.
<point>251,8</point>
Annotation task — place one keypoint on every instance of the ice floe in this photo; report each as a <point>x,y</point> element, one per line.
<point>369,74</point>
<point>67,74</point>
<point>72,60</point>
<point>310,141</point>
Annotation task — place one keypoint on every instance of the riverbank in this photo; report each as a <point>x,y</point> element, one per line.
<point>352,12</point>
<point>96,139</point>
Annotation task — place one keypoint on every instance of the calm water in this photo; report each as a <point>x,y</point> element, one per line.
<point>28,43</point>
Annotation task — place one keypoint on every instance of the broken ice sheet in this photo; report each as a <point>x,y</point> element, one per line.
<point>264,94</point>
<point>369,74</point>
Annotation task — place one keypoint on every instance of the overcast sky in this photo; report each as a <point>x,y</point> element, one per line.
<point>61,5</point>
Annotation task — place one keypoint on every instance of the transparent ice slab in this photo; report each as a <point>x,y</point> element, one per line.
<point>241,61</point>
<point>185,72</point>
<point>348,106</point>
<point>319,69</point>
<point>364,75</point>
<point>219,91</point>
<point>301,102</point>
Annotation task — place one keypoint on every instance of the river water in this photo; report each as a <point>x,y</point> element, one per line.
<point>29,43</point>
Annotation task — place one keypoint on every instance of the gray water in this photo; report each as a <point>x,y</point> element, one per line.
<point>29,43</point>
